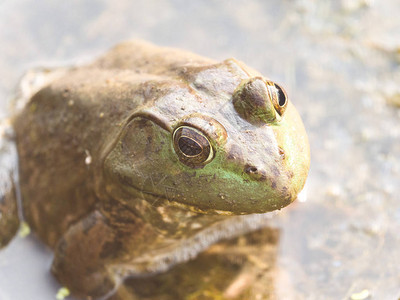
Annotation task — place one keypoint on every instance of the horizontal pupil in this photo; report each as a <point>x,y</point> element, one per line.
<point>189,146</point>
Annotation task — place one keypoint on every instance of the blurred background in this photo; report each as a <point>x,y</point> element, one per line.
<point>340,64</point>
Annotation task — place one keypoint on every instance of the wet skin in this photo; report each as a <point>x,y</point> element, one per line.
<point>147,156</point>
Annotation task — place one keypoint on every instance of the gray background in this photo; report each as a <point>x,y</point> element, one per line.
<point>339,61</point>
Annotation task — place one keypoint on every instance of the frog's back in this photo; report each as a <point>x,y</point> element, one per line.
<point>64,128</point>
<point>144,57</point>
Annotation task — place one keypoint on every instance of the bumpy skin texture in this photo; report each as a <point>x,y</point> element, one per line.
<point>9,221</point>
<point>102,183</point>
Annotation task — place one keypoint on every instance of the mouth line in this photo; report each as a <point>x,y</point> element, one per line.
<point>163,201</point>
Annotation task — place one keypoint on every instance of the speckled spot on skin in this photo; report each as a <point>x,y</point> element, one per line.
<point>88,223</point>
<point>263,175</point>
<point>235,153</point>
<point>273,184</point>
<point>282,153</point>
<point>125,179</point>
<point>111,249</point>
<point>275,171</point>
<point>142,123</point>
<point>285,192</point>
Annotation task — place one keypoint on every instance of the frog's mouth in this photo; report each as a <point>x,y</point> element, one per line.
<point>162,200</point>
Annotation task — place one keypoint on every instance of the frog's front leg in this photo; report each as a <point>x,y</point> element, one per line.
<point>79,262</point>
<point>85,258</point>
<point>9,220</point>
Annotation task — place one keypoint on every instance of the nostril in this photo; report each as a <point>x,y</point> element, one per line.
<point>255,173</point>
<point>250,169</point>
<point>253,170</point>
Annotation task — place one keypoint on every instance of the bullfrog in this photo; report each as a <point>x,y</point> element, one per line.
<point>144,158</point>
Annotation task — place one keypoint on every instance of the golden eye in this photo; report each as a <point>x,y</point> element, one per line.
<point>278,97</point>
<point>192,147</point>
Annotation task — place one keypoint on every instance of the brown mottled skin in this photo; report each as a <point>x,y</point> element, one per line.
<point>103,184</point>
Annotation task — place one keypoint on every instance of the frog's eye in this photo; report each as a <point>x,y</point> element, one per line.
<point>278,97</point>
<point>192,147</point>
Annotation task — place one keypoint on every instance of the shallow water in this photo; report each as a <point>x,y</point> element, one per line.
<point>339,61</point>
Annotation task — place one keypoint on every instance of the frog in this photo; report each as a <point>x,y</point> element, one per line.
<point>142,159</point>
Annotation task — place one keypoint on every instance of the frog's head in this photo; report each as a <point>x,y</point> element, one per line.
<point>219,138</point>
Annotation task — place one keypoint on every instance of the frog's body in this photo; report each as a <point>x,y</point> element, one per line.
<point>141,160</point>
